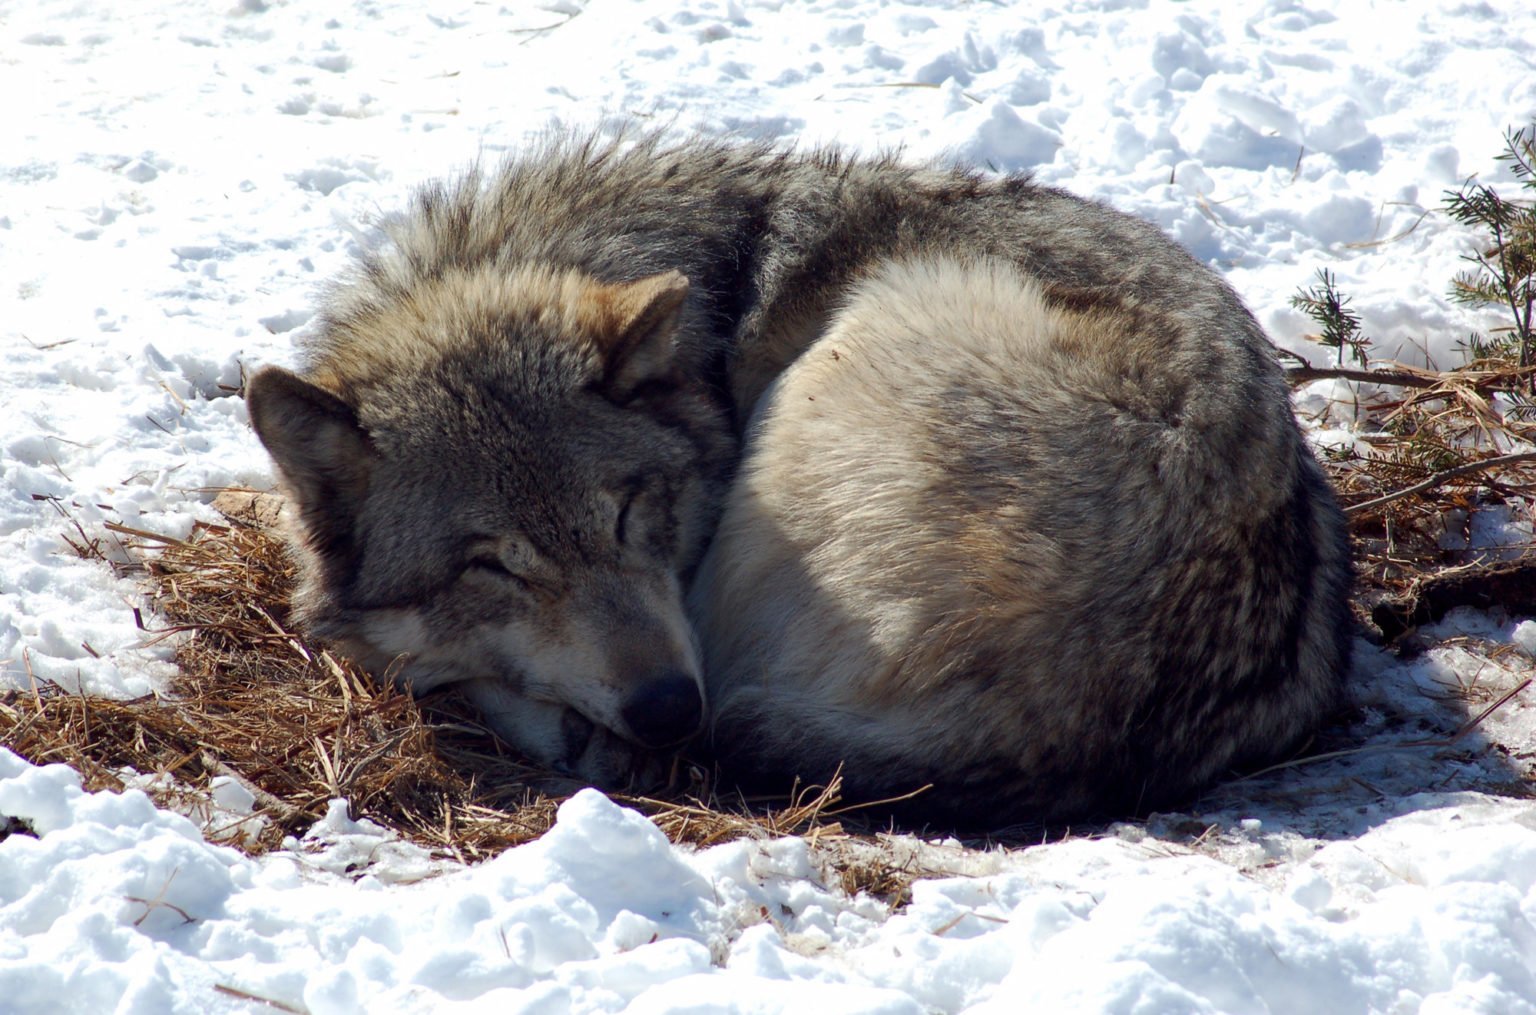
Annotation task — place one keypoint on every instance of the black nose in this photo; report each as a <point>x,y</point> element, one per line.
<point>666,711</point>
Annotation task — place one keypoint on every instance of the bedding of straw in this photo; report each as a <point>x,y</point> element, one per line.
<point>298,726</point>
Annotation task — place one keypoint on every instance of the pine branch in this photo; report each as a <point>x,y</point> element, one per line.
<point>1441,477</point>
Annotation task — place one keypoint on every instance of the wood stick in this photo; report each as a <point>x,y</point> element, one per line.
<point>1403,378</point>
<point>1441,477</point>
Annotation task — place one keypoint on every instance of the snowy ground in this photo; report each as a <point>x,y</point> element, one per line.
<point>176,179</point>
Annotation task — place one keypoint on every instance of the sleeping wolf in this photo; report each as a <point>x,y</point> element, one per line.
<point>942,478</point>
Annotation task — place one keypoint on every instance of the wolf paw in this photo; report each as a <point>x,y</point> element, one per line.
<point>603,759</point>
<point>568,743</point>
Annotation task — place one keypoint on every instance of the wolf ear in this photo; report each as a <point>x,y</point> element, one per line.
<point>321,451</point>
<point>638,334</point>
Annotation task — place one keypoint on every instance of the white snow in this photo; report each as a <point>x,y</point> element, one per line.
<point>177,179</point>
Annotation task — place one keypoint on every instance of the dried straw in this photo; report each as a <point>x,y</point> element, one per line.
<point>298,725</point>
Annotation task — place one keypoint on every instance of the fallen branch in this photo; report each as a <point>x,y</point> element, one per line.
<point>1511,585</point>
<point>1438,478</point>
<point>1401,378</point>
<point>1473,375</point>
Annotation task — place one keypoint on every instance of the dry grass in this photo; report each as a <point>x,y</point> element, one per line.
<point>299,726</point>
<point>295,724</point>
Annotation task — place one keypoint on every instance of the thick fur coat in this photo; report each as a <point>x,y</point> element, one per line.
<point>1000,489</point>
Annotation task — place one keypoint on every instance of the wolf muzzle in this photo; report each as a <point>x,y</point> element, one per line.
<point>666,711</point>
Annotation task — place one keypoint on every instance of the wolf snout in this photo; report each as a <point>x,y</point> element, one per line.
<point>666,711</point>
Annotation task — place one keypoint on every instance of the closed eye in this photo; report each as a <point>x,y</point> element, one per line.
<point>487,563</point>
<point>620,527</point>
<point>510,561</point>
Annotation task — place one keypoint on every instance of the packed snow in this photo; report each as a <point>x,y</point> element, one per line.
<point>177,180</point>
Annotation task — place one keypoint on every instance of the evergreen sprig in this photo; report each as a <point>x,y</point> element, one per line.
<point>1340,326</point>
<point>1505,269</point>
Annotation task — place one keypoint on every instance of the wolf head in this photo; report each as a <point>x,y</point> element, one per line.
<point>503,474</point>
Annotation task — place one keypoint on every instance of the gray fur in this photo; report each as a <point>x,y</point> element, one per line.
<point>1156,592</point>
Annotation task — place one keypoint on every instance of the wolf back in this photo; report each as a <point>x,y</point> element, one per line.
<point>1013,501</point>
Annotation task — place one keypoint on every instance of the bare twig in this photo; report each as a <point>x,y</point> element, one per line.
<point>1473,723</point>
<point>284,811</point>
<point>246,995</point>
<point>1402,378</point>
<point>1438,478</point>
